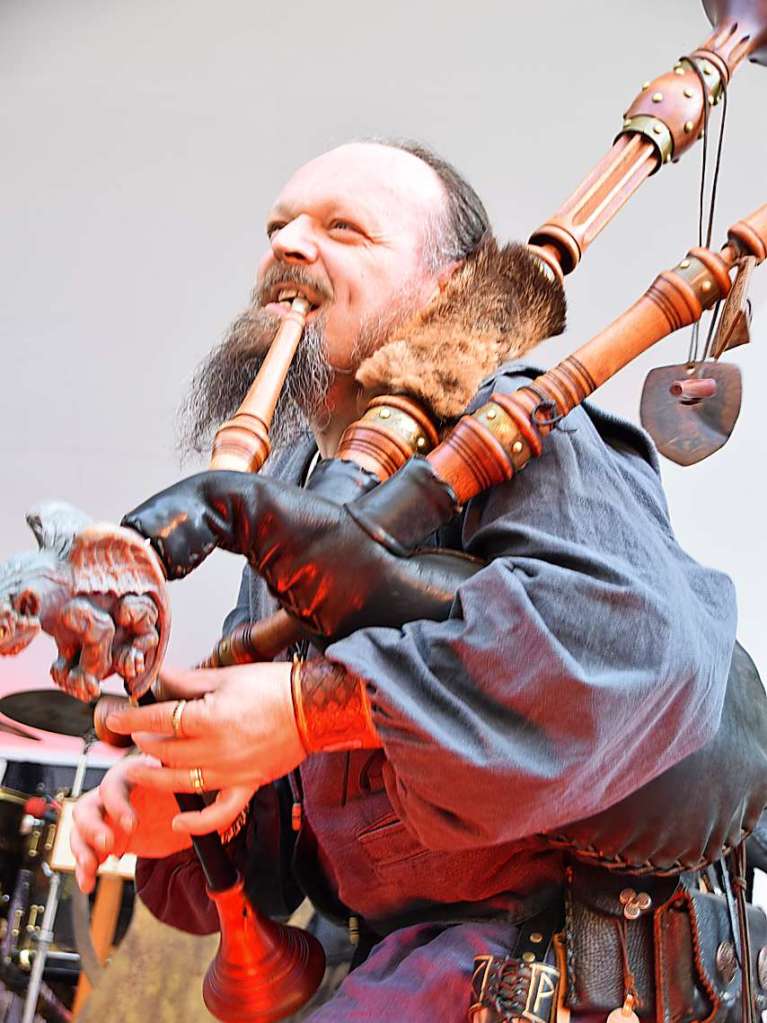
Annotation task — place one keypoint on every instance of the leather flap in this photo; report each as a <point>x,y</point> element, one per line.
<point>601,891</point>
<point>694,928</point>
<point>711,927</point>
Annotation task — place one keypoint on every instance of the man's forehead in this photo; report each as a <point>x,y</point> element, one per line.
<point>371,177</point>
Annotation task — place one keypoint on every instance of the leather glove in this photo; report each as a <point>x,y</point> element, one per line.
<point>335,568</point>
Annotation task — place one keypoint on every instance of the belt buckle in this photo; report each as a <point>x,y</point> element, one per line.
<point>508,990</point>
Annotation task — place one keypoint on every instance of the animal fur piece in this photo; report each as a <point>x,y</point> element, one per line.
<point>496,306</point>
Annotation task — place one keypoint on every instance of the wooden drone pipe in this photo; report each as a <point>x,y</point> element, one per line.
<point>662,123</point>
<point>748,237</point>
<point>498,440</point>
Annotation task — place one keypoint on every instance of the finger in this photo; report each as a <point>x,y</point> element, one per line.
<point>174,779</point>
<point>82,852</point>
<point>189,684</point>
<point>86,863</point>
<point>89,821</point>
<point>159,718</point>
<point>115,796</point>
<point>220,815</point>
<point>175,752</point>
<point>100,713</point>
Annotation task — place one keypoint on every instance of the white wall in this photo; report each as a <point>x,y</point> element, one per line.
<point>142,143</point>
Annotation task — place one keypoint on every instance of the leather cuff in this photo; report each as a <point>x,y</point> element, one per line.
<point>332,707</point>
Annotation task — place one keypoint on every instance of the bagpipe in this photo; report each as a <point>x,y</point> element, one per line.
<point>402,471</point>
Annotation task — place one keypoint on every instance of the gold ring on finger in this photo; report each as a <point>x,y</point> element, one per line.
<point>175,719</point>
<point>197,780</point>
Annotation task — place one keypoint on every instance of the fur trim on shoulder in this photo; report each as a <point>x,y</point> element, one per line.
<point>497,305</point>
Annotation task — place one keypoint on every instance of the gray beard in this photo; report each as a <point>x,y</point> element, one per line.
<point>222,380</point>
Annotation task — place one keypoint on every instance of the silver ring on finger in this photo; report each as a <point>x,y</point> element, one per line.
<point>175,719</point>
<point>197,780</point>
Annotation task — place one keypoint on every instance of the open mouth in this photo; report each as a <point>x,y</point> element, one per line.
<point>281,298</point>
<point>14,638</point>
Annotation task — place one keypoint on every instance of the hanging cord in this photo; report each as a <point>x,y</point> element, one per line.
<point>704,238</point>
<point>739,883</point>
<point>713,322</point>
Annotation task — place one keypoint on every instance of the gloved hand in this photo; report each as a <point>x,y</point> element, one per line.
<point>335,568</point>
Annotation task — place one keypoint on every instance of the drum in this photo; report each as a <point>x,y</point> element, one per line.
<point>40,833</point>
<point>33,826</point>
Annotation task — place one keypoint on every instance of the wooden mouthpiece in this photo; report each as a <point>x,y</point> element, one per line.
<point>242,444</point>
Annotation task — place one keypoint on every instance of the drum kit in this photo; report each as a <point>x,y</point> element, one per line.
<point>46,923</point>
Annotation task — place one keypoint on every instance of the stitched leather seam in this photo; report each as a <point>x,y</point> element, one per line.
<point>591,854</point>
<point>699,964</point>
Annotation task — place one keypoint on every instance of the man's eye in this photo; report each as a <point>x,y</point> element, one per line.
<point>273,228</point>
<point>343,225</point>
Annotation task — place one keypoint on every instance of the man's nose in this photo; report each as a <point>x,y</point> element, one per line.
<point>294,243</point>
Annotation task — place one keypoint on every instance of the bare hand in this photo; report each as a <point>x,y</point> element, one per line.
<point>238,729</point>
<point>118,817</point>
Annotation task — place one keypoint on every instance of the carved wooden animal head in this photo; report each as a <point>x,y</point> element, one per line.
<point>23,580</point>
<point>32,582</point>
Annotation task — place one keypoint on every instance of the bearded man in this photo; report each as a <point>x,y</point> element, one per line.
<point>588,656</point>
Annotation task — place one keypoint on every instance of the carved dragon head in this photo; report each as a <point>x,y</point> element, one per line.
<point>31,582</point>
<point>23,582</point>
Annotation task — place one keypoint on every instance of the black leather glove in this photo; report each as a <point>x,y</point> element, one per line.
<point>334,568</point>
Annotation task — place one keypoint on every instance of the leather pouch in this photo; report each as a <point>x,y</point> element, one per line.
<point>679,948</point>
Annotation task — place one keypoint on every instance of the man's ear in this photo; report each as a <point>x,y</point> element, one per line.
<point>447,272</point>
<point>443,277</point>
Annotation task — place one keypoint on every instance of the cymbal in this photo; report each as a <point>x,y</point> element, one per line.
<point>13,730</point>
<point>49,709</point>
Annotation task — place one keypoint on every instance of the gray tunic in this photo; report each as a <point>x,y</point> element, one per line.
<point>589,655</point>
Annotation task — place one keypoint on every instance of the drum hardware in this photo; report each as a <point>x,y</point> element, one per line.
<point>50,1007</point>
<point>90,964</point>
<point>55,711</point>
<point>11,852</point>
<point>44,830</point>
<point>35,862</point>
<point>50,710</point>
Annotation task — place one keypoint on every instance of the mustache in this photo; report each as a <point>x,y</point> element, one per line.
<point>289,273</point>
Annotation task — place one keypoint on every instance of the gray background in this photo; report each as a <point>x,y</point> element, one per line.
<point>142,143</point>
